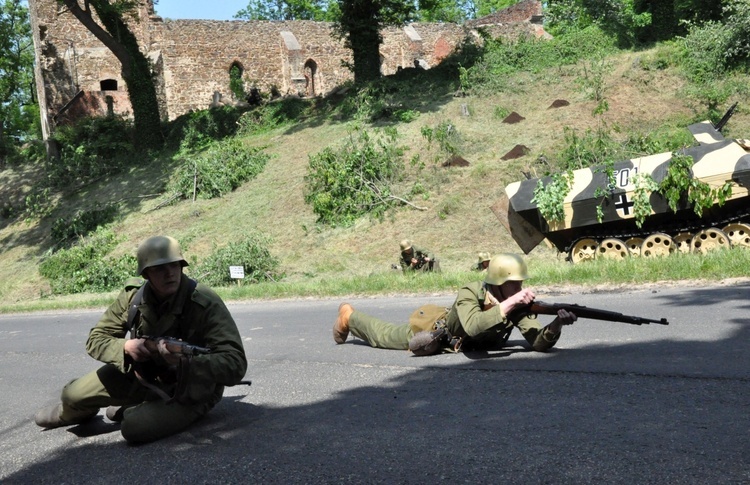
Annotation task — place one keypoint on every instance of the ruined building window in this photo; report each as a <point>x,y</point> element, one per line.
<point>311,68</point>
<point>236,85</point>
<point>108,85</point>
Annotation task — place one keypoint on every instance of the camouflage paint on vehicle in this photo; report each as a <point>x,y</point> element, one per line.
<point>716,161</point>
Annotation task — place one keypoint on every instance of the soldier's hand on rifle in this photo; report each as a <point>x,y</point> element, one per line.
<point>517,300</point>
<point>137,350</point>
<point>564,317</point>
<point>169,357</point>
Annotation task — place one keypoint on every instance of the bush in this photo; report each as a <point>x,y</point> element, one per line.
<point>219,170</point>
<point>85,267</point>
<point>273,114</point>
<point>197,129</point>
<point>91,148</point>
<point>82,223</point>
<point>355,179</point>
<point>445,135</point>
<point>251,253</point>
<point>503,58</point>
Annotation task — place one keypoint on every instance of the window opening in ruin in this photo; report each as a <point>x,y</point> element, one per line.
<point>236,85</point>
<point>311,68</point>
<point>108,85</point>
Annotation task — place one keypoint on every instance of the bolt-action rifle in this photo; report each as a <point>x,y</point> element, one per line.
<point>542,308</point>
<point>174,346</point>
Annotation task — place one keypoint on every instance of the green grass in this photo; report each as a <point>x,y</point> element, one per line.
<point>545,276</point>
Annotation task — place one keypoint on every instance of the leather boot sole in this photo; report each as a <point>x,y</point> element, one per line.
<point>341,327</point>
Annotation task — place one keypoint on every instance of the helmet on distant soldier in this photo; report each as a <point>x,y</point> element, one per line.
<point>506,267</point>
<point>158,250</point>
<point>482,257</point>
<point>405,245</point>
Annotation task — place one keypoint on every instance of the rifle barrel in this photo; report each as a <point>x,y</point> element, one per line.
<point>580,311</point>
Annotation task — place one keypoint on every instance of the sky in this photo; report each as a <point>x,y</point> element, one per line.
<point>200,9</point>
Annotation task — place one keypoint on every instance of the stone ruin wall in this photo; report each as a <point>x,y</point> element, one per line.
<point>197,56</point>
<point>192,58</point>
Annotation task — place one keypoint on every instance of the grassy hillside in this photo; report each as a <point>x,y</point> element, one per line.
<point>457,221</point>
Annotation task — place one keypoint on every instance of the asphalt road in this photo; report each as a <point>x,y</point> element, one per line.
<point>612,403</point>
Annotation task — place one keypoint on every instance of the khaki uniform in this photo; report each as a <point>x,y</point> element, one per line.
<point>200,319</point>
<point>480,327</point>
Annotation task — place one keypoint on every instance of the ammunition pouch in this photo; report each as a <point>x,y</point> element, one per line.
<point>424,317</point>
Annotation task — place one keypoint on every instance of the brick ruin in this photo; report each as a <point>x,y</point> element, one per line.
<point>76,75</point>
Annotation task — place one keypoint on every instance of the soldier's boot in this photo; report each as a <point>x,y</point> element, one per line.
<point>341,327</point>
<point>49,417</point>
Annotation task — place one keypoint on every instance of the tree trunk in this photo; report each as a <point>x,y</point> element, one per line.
<point>366,53</point>
<point>136,72</point>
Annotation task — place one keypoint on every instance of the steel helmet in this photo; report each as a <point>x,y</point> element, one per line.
<point>482,257</point>
<point>506,267</point>
<point>158,250</point>
<point>405,245</point>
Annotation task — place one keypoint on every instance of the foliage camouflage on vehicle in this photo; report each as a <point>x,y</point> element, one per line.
<point>597,223</point>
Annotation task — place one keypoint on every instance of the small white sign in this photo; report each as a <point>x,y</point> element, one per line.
<point>237,272</point>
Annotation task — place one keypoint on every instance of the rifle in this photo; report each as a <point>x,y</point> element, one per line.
<point>174,346</point>
<point>542,308</point>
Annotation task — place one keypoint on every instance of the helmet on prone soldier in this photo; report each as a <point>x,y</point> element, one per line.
<point>405,245</point>
<point>506,267</point>
<point>158,250</point>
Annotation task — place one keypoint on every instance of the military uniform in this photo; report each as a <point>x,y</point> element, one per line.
<point>198,317</point>
<point>419,254</point>
<point>481,326</point>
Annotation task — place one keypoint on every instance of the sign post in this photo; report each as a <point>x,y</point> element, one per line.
<point>237,272</point>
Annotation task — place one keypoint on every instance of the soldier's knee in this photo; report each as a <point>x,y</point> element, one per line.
<point>71,393</point>
<point>135,433</point>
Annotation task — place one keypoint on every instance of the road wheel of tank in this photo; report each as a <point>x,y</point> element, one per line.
<point>682,242</point>
<point>738,234</point>
<point>583,250</point>
<point>709,239</point>
<point>612,248</point>
<point>657,244</point>
<point>634,245</point>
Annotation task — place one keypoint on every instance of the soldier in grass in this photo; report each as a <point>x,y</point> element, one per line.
<point>482,317</point>
<point>416,259</point>
<point>483,261</point>
<point>150,387</point>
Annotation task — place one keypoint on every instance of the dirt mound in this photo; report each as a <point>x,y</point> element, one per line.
<point>456,161</point>
<point>513,118</point>
<point>517,152</point>
<point>559,103</point>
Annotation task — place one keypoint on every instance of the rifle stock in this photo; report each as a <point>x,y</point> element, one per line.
<point>542,308</point>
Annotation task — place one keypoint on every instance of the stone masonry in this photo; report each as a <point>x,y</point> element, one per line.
<point>77,76</point>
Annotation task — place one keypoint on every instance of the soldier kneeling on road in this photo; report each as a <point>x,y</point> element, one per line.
<point>482,317</point>
<point>184,348</point>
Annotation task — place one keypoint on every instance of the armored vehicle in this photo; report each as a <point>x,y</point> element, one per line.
<point>611,231</point>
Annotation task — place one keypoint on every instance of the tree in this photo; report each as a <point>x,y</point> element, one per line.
<point>320,10</point>
<point>445,10</point>
<point>18,109</point>
<point>360,24</point>
<point>115,34</point>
